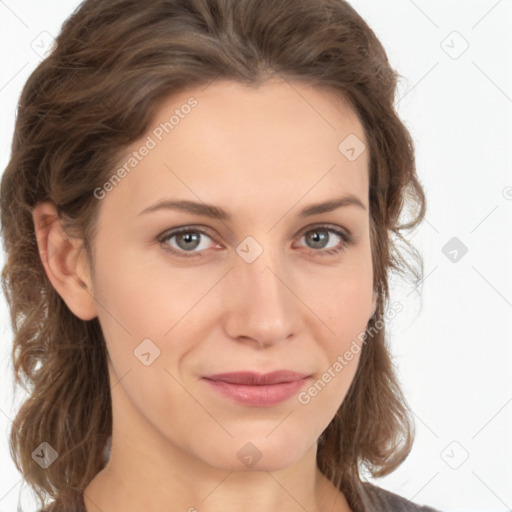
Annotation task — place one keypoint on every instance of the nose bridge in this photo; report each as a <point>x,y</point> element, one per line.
<point>265,278</point>
<point>262,305</point>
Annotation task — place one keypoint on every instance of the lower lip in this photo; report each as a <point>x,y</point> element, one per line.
<point>261,396</point>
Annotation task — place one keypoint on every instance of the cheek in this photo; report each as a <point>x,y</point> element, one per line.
<point>136,293</point>
<point>133,306</point>
<point>145,315</point>
<point>342,302</point>
<point>344,310</point>
<point>323,397</point>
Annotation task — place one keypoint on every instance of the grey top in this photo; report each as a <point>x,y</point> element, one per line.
<point>380,500</point>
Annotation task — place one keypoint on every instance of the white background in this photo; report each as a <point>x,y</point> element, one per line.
<point>452,342</point>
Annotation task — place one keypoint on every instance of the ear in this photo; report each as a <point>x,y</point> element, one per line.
<point>64,262</point>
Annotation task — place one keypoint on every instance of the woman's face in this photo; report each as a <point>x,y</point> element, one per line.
<point>259,288</point>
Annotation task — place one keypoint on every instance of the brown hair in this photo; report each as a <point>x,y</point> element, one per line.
<point>114,62</point>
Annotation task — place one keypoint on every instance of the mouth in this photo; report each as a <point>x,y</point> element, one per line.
<point>256,389</point>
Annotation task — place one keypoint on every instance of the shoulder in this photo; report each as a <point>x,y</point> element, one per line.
<point>378,499</point>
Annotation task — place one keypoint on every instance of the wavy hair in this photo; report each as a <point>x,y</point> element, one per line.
<point>113,64</point>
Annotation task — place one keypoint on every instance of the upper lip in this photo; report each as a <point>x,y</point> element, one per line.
<point>258,379</point>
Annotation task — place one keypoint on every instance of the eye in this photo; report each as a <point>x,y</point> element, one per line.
<point>188,240</point>
<point>319,241</point>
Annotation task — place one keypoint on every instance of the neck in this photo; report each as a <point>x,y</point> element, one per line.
<point>158,476</point>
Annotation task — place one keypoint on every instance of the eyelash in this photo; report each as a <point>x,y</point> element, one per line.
<point>346,237</point>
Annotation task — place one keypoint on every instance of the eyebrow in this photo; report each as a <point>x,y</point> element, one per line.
<point>212,211</point>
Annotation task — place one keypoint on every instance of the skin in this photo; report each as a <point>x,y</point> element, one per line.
<point>263,155</point>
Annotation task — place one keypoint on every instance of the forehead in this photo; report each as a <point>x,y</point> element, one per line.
<point>233,144</point>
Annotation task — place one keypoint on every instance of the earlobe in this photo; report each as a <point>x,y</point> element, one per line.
<point>64,262</point>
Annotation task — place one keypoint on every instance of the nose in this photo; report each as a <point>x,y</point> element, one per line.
<point>261,305</point>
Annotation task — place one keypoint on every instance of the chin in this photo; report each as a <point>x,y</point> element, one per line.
<point>257,452</point>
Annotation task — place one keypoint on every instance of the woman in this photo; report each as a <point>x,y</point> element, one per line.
<point>249,371</point>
